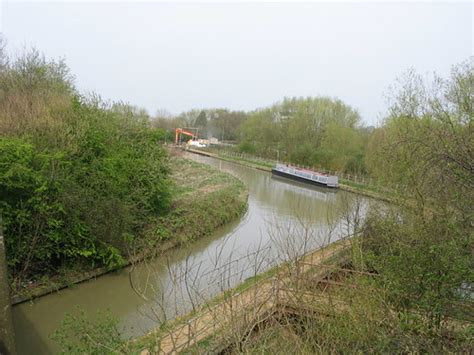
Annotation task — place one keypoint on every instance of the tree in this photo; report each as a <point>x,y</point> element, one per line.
<point>303,128</point>
<point>342,149</point>
<point>224,124</point>
<point>201,121</point>
<point>426,145</point>
<point>424,151</point>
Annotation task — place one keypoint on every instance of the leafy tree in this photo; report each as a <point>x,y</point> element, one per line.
<point>306,131</point>
<point>342,149</point>
<point>426,146</point>
<point>224,124</point>
<point>424,151</point>
<point>201,120</point>
<point>80,334</point>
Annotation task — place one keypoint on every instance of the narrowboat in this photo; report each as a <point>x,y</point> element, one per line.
<point>304,175</point>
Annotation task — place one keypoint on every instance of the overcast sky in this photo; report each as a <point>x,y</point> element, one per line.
<point>178,56</point>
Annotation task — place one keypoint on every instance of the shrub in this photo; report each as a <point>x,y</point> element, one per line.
<point>80,335</point>
<point>422,260</point>
<point>78,178</point>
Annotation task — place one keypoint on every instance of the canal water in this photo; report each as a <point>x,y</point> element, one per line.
<point>284,219</point>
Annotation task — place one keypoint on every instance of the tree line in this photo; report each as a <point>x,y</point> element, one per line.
<point>316,131</point>
<point>322,131</point>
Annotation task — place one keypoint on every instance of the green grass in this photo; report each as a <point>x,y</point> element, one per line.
<point>203,200</point>
<point>245,160</point>
<point>261,164</point>
<point>257,162</point>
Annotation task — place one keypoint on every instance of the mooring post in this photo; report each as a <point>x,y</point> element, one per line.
<point>7,336</point>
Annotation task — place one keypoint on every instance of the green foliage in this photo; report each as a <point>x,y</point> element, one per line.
<point>225,124</point>
<point>163,135</point>
<point>78,178</point>
<point>79,334</point>
<point>422,261</point>
<point>342,149</point>
<point>198,191</point>
<point>425,151</point>
<point>219,123</point>
<point>247,147</point>
<point>426,146</point>
<point>310,131</point>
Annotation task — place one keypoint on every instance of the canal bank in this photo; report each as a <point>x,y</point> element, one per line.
<point>197,191</point>
<point>263,165</point>
<point>253,299</point>
<point>272,205</point>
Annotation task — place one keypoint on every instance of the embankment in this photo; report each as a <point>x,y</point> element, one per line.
<point>203,200</point>
<point>258,295</point>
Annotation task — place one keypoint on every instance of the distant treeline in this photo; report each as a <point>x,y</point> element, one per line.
<point>316,131</point>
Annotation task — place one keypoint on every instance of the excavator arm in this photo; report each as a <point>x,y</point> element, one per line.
<point>182,131</point>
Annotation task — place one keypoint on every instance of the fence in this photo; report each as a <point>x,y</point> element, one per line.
<point>354,178</point>
<point>251,304</point>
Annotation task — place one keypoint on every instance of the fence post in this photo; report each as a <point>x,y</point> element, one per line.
<point>189,334</point>
<point>7,336</point>
<point>276,291</point>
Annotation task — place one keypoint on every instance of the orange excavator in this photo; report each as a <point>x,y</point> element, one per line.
<point>179,131</point>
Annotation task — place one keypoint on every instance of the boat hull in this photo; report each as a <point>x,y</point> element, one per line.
<point>299,178</point>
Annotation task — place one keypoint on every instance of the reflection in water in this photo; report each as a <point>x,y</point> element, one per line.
<point>276,225</point>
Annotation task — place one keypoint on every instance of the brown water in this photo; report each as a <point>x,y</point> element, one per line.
<point>283,218</point>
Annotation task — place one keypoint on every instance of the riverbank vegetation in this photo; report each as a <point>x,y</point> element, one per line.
<point>79,178</point>
<point>407,284</point>
<point>203,200</point>
<point>313,131</point>
<point>418,294</point>
<point>87,184</point>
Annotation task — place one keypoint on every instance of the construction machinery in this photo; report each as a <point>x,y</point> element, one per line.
<point>180,131</point>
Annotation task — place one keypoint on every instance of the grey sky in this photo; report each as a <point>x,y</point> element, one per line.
<point>178,56</point>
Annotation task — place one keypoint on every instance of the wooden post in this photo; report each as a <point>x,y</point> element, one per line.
<point>7,337</point>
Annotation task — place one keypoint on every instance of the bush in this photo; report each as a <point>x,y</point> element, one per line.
<point>247,147</point>
<point>80,335</point>
<point>78,178</point>
<point>424,151</point>
<point>422,261</point>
